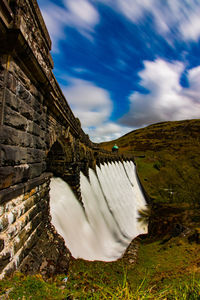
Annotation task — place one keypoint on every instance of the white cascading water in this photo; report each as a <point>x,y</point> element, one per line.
<point>108,222</point>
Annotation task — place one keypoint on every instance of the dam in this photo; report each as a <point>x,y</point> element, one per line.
<point>106,224</point>
<point>40,138</point>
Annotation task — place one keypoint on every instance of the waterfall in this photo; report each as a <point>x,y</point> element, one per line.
<point>106,225</point>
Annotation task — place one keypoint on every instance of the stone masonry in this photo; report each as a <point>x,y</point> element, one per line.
<point>39,137</point>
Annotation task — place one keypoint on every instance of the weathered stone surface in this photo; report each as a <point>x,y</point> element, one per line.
<point>13,155</point>
<point>20,189</point>
<point>4,260</point>
<point>1,244</point>
<point>14,119</point>
<point>11,83</point>
<point>49,255</point>
<point>35,155</point>
<point>12,175</point>
<point>39,143</point>
<point>36,170</point>
<point>22,92</point>
<point>11,99</point>
<point>25,233</point>
<point>34,129</point>
<point>28,209</point>
<point>12,136</point>
<point>25,110</point>
<point>35,104</point>
<point>38,131</point>
<point>3,223</point>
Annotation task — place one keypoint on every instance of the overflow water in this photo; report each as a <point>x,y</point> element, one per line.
<point>108,222</point>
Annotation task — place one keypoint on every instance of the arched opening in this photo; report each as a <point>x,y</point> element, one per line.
<point>56,160</point>
<point>61,162</point>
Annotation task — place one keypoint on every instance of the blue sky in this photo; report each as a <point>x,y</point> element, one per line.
<point>124,64</point>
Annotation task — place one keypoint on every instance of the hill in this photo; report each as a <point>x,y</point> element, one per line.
<point>167,158</point>
<point>167,262</point>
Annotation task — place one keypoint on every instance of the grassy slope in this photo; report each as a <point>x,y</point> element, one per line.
<point>167,157</point>
<point>162,271</point>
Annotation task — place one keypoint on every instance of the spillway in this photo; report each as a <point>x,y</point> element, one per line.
<point>106,225</point>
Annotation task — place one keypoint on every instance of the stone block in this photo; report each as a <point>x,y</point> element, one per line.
<point>43,206</point>
<point>33,128</point>
<point>31,204</point>
<point>7,219</point>
<point>39,143</point>
<point>14,119</point>
<point>38,118</point>
<point>12,204</point>
<point>12,175</point>
<point>44,193</point>
<point>23,216</point>
<point>23,236</point>
<point>34,103</point>
<point>22,92</point>
<point>11,100</point>
<point>43,179</point>
<point>8,135</point>
<point>35,155</point>
<point>14,137</point>
<point>33,239</point>
<point>25,110</point>
<point>13,155</point>
<point>4,260</point>
<point>3,223</point>
<point>35,170</point>
<point>11,83</point>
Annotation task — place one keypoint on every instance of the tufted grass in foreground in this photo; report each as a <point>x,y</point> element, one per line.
<point>35,288</point>
<point>169,270</point>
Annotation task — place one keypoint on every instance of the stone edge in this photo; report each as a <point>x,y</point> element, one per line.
<point>21,188</point>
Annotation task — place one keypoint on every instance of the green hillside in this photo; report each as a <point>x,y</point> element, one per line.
<point>167,262</point>
<point>167,156</point>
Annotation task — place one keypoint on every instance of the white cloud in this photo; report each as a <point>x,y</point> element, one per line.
<point>54,17</point>
<point>183,16</point>
<point>166,99</point>
<point>79,14</point>
<point>90,103</point>
<point>191,28</point>
<point>107,132</point>
<point>82,13</point>
<point>93,106</point>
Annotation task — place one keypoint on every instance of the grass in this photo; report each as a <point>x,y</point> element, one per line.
<point>169,270</point>
<point>168,267</point>
<point>167,158</point>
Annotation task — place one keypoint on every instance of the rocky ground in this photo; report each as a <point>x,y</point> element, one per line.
<point>48,257</point>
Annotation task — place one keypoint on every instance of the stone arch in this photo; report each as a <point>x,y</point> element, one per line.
<point>69,152</point>
<point>56,159</point>
<point>61,162</point>
<point>92,160</point>
<point>83,160</point>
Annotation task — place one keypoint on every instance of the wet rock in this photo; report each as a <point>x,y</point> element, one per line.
<point>49,256</point>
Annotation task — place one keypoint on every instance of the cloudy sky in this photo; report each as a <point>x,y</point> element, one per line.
<point>124,64</point>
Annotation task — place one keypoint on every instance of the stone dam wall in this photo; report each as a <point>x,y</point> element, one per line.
<point>39,136</point>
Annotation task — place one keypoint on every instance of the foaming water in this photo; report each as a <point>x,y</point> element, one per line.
<point>108,222</point>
